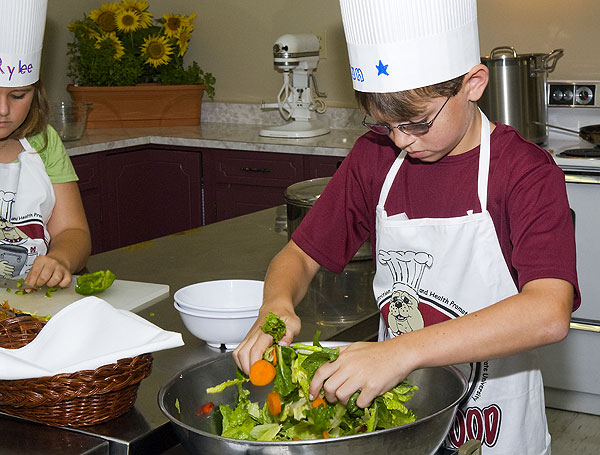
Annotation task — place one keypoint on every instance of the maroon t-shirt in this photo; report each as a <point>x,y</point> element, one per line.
<point>527,201</point>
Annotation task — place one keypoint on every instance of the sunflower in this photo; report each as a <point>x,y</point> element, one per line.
<point>111,40</point>
<point>128,21</point>
<point>173,23</point>
<point>140,7</point>
<point>158,50</point>
<point>183,40</point>
<point>105,16</point>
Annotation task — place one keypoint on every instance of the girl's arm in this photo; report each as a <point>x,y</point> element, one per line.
<point>70,242</point>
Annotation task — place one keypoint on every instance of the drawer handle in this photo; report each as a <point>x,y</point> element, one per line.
<point>262,170</point>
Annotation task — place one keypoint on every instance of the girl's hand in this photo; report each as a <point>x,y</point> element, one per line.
<point>371,368</point>
<point>256,341</point>
<point>48,271</point>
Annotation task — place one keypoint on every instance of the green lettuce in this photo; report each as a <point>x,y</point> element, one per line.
<point>295,369</point>
<point>274,326</point>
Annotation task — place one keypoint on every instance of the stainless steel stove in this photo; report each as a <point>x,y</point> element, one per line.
<point>570,370</point>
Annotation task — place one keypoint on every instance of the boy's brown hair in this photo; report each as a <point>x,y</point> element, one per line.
<point>400,106</point>
<point>37,119</point>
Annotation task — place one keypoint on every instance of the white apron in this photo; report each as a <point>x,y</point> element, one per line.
<point>433,269</point>
<point>26,203</point>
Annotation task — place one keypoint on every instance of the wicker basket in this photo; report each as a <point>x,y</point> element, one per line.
<point>72,399</point>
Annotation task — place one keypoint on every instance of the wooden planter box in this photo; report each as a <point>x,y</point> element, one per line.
<point>141,105</point>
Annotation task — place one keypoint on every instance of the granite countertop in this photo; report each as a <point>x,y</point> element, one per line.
<point>229,126</point>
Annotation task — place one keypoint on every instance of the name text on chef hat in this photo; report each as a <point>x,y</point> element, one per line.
<point>21,68</point>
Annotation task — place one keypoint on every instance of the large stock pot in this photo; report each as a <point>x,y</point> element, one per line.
<point>516,92</point>
<point>440,391</point>
<point>300,197</point>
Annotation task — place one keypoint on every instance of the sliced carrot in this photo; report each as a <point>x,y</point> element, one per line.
<point>274,357</point>
<point>325,434</point>
<point>205,409</point>
<point>262,372</point>
<point>274,403</point>
<point>319,402</point>
<point>295,438</point>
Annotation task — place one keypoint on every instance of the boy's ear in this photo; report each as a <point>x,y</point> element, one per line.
<point>476,81</point>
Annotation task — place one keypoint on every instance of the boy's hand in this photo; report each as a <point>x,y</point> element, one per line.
<point>256,341</point>
<point>368,367</point>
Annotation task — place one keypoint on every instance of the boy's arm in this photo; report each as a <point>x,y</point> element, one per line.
<point>538,315</point>
<point>286,282</point>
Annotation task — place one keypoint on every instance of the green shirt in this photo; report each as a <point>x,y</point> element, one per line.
<point>54,156</point>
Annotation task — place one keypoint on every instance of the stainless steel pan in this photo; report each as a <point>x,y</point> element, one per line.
<point>440,391</point>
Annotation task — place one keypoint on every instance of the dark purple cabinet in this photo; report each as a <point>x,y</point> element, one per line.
<point>240,182</point>
<point>88,171</point>
<point>140,193</point>
<point>151,192</point>
<point>135,194</point>
<point>322,166</point>
<point>237,183</point>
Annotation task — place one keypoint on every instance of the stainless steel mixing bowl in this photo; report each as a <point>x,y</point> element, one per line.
<point>440,391</point>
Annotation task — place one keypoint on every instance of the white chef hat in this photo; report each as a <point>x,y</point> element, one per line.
<point>22,25</point>
<point>396,45</point>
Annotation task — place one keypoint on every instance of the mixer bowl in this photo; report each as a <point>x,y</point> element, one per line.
<point>68,119</point>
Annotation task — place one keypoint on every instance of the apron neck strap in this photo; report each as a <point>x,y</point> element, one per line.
<point>482,176</point>
<point>389,179</point>
<point>26,145</point>
<point>484,162</point>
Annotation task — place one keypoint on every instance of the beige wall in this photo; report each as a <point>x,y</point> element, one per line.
<point>233,40</point>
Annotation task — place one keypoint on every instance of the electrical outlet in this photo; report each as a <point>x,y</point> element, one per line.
<point>322,37</point>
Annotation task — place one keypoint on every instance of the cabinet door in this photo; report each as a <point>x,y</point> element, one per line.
<point>322,166</point>
<point>88,171</point>
<point>237,182</point>
<point>151,192</point>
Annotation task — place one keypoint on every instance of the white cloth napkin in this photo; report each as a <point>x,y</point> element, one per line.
<point>85,335</point>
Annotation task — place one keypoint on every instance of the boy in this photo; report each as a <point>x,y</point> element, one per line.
<point>474,244</point>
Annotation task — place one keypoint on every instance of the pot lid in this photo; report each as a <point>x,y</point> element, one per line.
<point>307,192</point>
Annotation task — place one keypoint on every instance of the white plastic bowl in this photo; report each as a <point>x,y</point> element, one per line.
<point>221,296</point>
<point>218,329</point>
<point>215,314</point>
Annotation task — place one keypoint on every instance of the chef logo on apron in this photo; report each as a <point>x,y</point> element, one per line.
<point>407,306</point>
<point>400,305</point>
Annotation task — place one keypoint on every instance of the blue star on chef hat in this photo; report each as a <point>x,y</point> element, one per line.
<point>381,68</point>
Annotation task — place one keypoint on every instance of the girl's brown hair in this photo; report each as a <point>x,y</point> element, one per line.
<point>400,106</point>
<point>37,119</point>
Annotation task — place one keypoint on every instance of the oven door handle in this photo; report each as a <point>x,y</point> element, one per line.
<point>582,178</point>
<point>585,327</point>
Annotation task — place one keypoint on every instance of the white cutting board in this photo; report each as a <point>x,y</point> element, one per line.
<point>125,295</point>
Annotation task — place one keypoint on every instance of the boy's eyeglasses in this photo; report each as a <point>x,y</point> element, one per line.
<point>416,128</point>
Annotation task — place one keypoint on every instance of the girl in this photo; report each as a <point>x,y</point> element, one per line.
<point>44,236</point>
